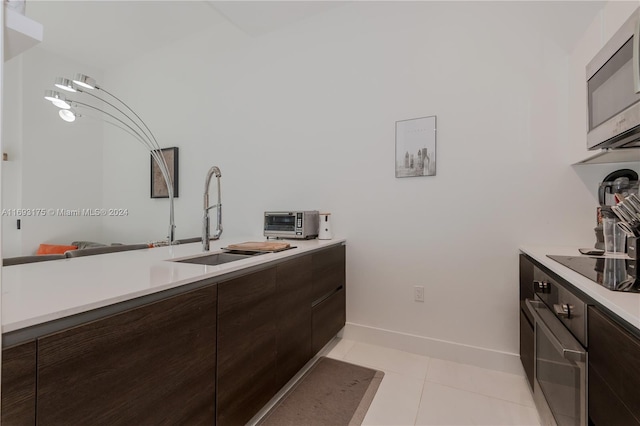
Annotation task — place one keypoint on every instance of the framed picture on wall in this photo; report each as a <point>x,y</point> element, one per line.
<point>158,184</point>
<point>416,147</point>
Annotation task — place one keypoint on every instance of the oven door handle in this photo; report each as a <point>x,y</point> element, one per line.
<point>554,330</point>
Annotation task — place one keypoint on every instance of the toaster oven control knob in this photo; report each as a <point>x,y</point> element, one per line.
<point>542,287</point>
<point>563,310</point>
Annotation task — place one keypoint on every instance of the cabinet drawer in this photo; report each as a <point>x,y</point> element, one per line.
<point>328,271</point>
<point>613,359</point>
<point>328,318</point>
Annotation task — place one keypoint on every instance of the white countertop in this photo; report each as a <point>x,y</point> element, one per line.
<point>39,292</point>
<point>625,305</point>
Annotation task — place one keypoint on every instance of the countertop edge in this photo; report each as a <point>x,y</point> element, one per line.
<point>161,258</point>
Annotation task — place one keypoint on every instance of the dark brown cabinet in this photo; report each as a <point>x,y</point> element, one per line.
<point>246,346</point>
<point>328,295</point>
<point>270,325</point>
<point>154,364</point>
<point>293,317</point>
<point>328,272</point>
<point>19,385</point>
<point>614,372</point>
<point>328,319</point>
<point>526,321</point>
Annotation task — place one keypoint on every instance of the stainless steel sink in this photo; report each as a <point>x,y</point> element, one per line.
<point>216,258</point>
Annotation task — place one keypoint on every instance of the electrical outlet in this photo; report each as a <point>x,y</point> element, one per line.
<point>418,293</point>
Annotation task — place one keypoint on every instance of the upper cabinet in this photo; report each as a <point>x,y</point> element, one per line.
<point>20,33</point>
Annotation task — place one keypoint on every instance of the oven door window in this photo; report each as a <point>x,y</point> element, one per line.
<point>280,223</point>
<point>610,89</point>
<point>560,381</point>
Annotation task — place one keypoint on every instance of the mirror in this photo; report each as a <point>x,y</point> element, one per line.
<point>57,180</point>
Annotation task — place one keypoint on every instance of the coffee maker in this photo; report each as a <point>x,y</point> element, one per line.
<point>623,182</point>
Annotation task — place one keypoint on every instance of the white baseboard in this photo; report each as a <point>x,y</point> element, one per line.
<point>465,354</point>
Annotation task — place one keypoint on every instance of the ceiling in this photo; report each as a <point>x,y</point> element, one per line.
<point>260,17</point>
<point>108,33</point>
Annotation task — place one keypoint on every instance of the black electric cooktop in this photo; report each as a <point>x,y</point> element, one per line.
<point>616,274</point>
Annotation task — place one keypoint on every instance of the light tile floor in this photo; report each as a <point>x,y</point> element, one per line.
<point>418,390</point>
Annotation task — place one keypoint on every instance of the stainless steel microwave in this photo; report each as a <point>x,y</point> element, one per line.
<point>291,224</point>
<point>613,90</point>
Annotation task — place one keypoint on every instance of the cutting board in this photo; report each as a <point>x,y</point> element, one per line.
<point>259,246</point>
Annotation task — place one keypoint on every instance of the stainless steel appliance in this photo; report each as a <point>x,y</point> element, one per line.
<point>623,182</point>
<point>560,368</point>
<point>613,90</point>
<point>291,224</point>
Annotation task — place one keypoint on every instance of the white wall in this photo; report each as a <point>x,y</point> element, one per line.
<point>304,118</point>
<point>52,164</point>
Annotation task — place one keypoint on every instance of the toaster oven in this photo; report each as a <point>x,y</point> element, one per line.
<point>292,224</point>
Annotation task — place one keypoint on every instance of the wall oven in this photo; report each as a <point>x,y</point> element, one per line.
<point>560,357</point>
<point>613,90</point>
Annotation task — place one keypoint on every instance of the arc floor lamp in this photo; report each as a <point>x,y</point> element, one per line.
<point>114,112</point>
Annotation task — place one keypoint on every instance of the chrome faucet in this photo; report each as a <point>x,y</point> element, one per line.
<point>205,222</point>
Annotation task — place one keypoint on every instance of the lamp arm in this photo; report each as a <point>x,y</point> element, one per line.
<point>160,161</point>
<point>141,137</point>
<point>129,108</point>
<point>155,154</point>
<point>149,135</point>
<point>132,111</point>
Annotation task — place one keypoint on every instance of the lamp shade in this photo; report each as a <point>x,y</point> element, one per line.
<point>84,81</point>
<point>57,99</point>
<point>65,84</point>
<point>67,115</point>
